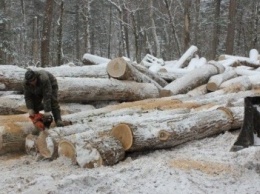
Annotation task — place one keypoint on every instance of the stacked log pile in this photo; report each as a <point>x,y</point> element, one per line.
<point>151,111</point>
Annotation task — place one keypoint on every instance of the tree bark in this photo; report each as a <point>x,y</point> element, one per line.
<point>216,80</point>
<point>203,124</point>
<point>120,69</point>
<point>193,79</point>
<point>45,42</point>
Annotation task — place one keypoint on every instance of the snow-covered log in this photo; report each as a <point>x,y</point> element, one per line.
<point>150,74</point>
<point>93,71</point>
<point>194,79</point>
<point>203,124</point>
<point>120,69</point>
<point>249,82</point>
<point>240,61</point>
<point>89,59</point>
<point>13,131</point>
<point>86,90</point>
<point>215,81</point>
<point>188,54</point>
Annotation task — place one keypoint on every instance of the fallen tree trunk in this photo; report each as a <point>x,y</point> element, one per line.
<point>87,90</point>
<point>194,79</point>
<point>120,69</point>
<point>150,74</point>
<point>215,81</point>
<point>240,61</point>
<point>93,71</point>
<point>249,82</point>
<point>203,124</point>
<point>13,131</point>
<point>89,59</point>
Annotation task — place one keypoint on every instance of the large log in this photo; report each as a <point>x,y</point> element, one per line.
<point>120,69</point>
<point>150,74</point>
<point>194,79</point>
<point>13,131</point>
<point>89,59</point>
<point>240,61</point>
<point>93,71</point>
<point>215,81</point>
<point>203,124</point>
<point>249,82</point>
<point>86,90</point>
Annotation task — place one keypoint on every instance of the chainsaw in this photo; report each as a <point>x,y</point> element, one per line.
<point>41,122</point>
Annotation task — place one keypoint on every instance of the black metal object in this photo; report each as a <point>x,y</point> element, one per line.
<point>251,124</point>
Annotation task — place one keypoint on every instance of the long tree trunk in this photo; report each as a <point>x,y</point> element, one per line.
<point>216,29</point>
<point>231,27</point>
<point>46,33</point>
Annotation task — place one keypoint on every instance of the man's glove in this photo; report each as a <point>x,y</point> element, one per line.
<point>47,119</point>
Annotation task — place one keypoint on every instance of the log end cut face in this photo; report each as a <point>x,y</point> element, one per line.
<point>124,134</point>
<point>67,149</point>
<point>45,145</point>
<point>116,68</point>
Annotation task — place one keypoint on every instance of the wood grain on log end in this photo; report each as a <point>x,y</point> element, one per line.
<point>45,145</point>
<point>30,144</point>
<point>116,68</point>
<point>227,111</point>
<point>212,86</point>
<point>124,134</point>
<point>164,135</point>
<point>67,149</point>
<point>88,156</point>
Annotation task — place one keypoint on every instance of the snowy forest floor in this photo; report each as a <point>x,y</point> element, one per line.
<point>201,166</point>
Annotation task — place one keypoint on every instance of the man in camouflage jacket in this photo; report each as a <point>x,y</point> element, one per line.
<point>41,93</point>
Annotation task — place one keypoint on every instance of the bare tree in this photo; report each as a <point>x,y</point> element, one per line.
<point>60,34</point>
<point>216,29</point>
<point>168,5</point>
<point>187,5</point>
<point>154,33</point>
<point>231,27</point>
<point>46,32</point>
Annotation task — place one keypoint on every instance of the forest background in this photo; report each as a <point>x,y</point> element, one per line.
<point>54,32</point>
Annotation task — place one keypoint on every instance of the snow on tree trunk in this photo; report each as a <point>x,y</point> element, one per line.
<point>13,131</point>
<point>188,54</point>
<point>120,69</point>
<point>215,81</point>
<point>194,79</point>
<point>203,124</point>
<point>89,59</point>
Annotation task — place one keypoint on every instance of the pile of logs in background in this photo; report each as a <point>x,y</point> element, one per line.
<point>119,106</point>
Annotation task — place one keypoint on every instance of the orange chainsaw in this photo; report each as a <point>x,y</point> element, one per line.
<point>40,121</point>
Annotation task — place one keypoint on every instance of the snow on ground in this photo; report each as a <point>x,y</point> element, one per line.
<point>202,166</point>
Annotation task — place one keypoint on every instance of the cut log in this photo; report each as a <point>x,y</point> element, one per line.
<point>150,74</point>
<point>106,150</point>
<point>13,131</point>
<point>241,61</point>
<point>198,91</point>
<point>89,59</point>
<point>46,146</point>
<point>193,79</point>
<point>87,90</point>
<point>187,55</point>
<point>215,81</point>
<point>249,82</point>
<point>203,124</point>
<point>120,69</point>
<point>30,145</point>
<point>93,71</point>
<point>12,104</point>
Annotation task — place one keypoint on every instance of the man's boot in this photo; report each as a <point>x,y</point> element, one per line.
<point>57,118</point>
